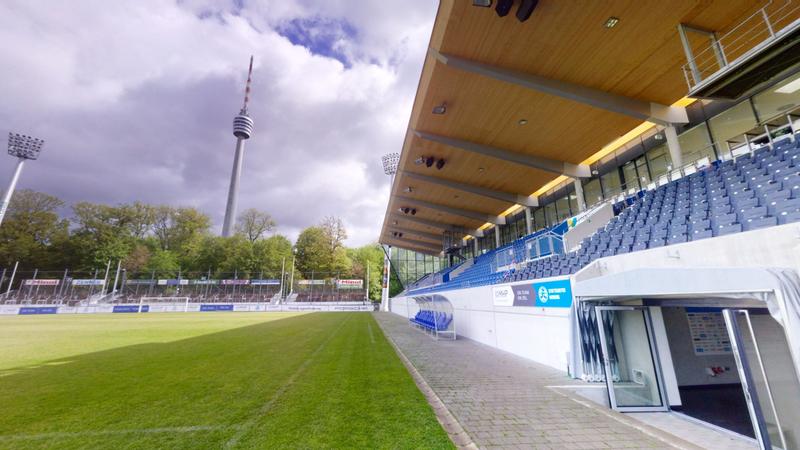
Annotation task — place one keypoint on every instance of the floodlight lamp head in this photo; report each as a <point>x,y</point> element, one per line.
<point>390,162</point>
<point>24,147</point>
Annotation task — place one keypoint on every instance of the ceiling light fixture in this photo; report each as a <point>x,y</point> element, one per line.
<point>440,109</point>
<point>523,121</point>
<point>526,9</point>
<point>503,7</point>
<point>419,160</point>
<point>482,3</point>
<point>440,164</point>
<point>409,189</point>
<point>481,169</point>
<point>429,161</point>
<point>611,22</point>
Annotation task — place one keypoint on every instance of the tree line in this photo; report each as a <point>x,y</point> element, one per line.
<point>167,239</point>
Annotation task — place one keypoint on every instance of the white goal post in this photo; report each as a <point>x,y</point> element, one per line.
<point>174,300</point>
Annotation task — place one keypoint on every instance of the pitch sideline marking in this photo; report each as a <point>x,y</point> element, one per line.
<point>371,336</point>
<point>246,426</point>
<point>188,429</point>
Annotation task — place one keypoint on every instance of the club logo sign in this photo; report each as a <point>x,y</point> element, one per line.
<point>553,294</point>
<point>503,296</point>
<point>543,294</point>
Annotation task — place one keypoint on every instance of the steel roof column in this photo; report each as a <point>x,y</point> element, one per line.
<point>528,225</point>
<point>579,194</point>
<point>674,146</point>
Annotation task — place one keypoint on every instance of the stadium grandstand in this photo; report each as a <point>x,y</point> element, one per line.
<point>171,291</point>
<point>614,191</point>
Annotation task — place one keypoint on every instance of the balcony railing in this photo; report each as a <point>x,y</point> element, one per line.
<point>745,39</point>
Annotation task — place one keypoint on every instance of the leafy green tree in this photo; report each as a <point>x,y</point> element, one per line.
<point>254,224</point>
<point>164,263</point>
<point>369,255</point>
<point>269,254</point>
<point>313,251</point>
<point>32,229</point>
<point>101,234</point>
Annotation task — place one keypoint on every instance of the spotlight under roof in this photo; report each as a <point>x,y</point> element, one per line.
<point>482,3</point>
<point>440,109</point>
<point>611,22</point>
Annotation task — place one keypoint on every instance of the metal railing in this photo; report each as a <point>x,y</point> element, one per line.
<point>756,31</point>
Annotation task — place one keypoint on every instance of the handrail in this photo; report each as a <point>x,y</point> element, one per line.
<point>713,58</point>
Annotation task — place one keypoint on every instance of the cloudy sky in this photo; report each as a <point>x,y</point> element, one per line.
<point>135,100</point>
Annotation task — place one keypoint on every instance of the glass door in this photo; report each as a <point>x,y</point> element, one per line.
<point>633,374</point>
<point>769,379</point>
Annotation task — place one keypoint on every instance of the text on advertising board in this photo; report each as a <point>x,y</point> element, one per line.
<point>553,294</point>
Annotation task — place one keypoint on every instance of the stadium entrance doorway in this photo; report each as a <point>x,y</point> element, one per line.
<point>719,345</point>
<point>632,370</point>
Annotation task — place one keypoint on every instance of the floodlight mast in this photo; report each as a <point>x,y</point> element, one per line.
<point>390,162</point>
<point>242,129</point>
<point>23,148</point>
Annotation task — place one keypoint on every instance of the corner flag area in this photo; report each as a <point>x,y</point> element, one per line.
<point>216,380</point>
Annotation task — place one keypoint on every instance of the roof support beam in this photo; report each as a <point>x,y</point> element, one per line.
<point>640,109</point>
<point>477,190</point>
<point>420,244</point>
<point>421,234</point>
<point>399,244</point>
<point>431,223</point>
<point>475,215</point>
<point>548,165</point>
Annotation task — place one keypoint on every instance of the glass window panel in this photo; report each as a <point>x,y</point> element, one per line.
<point>573,202</point>
<point>562,208</point>
<point>641,171</point>
<point>696,144</point>
<point>778,100</point>
<point>732,124</point>
<point>631,178</point>
<point>592,192</point>
<point>660,162</point>
<point>550,213</point>
<point>539,221</point>
<point>611,184</point>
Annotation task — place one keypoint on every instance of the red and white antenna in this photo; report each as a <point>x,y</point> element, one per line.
<point>247,86</point>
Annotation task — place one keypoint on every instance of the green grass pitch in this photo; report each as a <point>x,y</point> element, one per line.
<point>207,380</point>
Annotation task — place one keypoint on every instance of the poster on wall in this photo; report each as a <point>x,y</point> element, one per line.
<point>708,331</point>
<point>512,296</point>
<point>553,294</point>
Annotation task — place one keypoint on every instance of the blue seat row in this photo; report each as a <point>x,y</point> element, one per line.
<point>432,320</point>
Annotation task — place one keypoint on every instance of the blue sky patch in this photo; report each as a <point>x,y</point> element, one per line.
<point>322,36</point>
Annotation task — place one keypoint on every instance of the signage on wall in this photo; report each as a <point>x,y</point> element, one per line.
<point>88,282</point>
<point>553,294</point>
<point>265,282</point>
<point>708,331</point>
<point>349,284</point>
<point>42,282</point>
<point>512,295</point>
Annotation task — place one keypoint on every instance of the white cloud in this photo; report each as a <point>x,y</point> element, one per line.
<point>135,100</point>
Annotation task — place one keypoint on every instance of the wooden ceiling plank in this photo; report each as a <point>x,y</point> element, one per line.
<point>477,190</point>
<point>469,214</point>
<point>639,109</point>
<point>549,165</point>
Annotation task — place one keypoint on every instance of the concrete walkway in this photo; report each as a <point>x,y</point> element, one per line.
<point>503,401</point>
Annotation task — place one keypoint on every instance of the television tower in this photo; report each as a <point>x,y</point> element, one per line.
<point>242,129</point>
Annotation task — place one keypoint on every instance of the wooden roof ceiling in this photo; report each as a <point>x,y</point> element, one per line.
<point>639,58</point>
